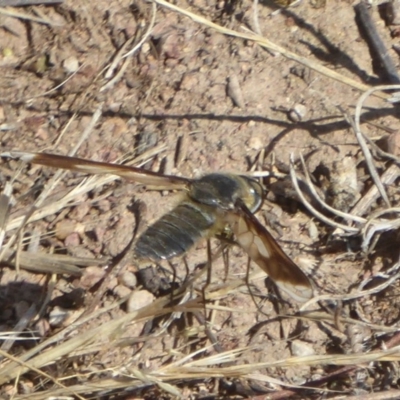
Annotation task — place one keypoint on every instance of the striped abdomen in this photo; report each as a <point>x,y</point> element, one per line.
<point>176,232</point>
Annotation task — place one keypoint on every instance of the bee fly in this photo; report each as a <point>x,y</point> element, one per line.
<point>212,203</point>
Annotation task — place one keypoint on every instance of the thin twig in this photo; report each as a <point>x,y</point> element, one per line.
<point>376,42</point>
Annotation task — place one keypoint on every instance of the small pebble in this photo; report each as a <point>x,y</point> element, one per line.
<point>313,230</point>
<point>71,64</point>
<point>121,291</point>
<point>91,276</point>
<point>301,349</point>
<point>189,82</point>
<point>72,240</point>
<point>42,327</point>
<point>235,92</point>
<point>58,315</point>
<point>128,279</point>
<point>297,113</point>
<point>80,211</point>
<point>256,142</point>
<point>64,228</point>
<point>138,300</point>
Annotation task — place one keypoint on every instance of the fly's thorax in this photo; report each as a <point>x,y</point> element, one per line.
<point>222,191</point>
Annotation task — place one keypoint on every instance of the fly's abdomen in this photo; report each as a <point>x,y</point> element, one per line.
<point>176,232</point>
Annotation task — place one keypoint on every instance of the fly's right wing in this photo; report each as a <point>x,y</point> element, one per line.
<point>263,249</point>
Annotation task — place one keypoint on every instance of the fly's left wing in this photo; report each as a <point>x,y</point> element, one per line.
<point>94,167</point>
<point>263,249</point>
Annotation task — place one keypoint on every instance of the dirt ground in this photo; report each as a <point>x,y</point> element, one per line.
<point>191,101</point>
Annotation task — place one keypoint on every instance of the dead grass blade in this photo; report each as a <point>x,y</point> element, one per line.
<point>209,367</point>
<point>50,263</point>
<point>112,329</point>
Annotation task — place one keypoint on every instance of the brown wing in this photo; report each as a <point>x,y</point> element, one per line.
<point>93,167</point>
<point>263,249</point>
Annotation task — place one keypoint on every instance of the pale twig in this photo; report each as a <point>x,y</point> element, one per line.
<point>305,202</point>
<point>63,131</point>
<point>112,82</point>
<point>385,275</point>
<point>255,18</point>
<point>390,394</point>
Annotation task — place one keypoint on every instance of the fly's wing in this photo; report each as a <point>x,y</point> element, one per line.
<point>263,249</point>
<point>93,167</point>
